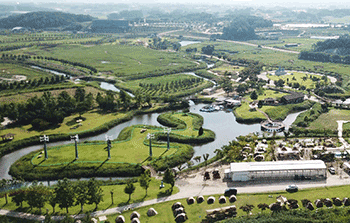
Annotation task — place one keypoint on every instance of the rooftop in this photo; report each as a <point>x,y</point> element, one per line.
<point>277,165</point>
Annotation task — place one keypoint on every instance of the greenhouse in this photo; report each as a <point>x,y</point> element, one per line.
<point>247,171</point>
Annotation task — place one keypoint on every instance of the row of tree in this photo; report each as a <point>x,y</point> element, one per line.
<point>32,83</point>
<point>324,57</point>
<point>65,194</point>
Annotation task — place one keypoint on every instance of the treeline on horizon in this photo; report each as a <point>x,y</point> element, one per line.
<point>41,20</point>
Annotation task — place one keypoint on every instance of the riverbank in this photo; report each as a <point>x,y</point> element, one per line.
<point>93,161</point>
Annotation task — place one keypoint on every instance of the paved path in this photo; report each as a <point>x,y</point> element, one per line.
<point>340,134</point>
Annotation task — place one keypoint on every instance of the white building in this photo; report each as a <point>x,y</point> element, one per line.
<point>288,170</point>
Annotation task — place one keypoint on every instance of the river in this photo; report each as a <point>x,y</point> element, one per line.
<point>222,123</point>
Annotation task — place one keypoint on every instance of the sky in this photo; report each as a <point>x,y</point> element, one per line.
<point>216,2</point>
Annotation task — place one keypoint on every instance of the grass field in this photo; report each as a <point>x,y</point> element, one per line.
<point>137,145</point>
<point>267,94</point>
<point>23,97</point>
<point>8,70</point>
<point>196,212</point>
<point>115,59</point>
<point>303,43</point>
<point>243,113</point>
<point>119,198</point>
<point>308,83</point>
<point>329,120</point>
<point>93,120</point>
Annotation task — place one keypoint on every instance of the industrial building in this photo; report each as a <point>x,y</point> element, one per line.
<point>247,171</point>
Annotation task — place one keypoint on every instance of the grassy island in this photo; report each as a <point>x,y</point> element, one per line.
<point>128,152</point>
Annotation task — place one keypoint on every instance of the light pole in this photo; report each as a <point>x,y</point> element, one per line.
<point>112,196</point>
<point>76,139</point>
<point>150,136</point>
<point>109,145</point>
<point>45,139</point>
<point>167,131</point>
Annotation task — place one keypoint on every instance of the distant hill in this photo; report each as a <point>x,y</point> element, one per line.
<point>41,20</point>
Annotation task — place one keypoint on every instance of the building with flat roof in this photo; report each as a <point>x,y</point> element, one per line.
<point>247,171</point>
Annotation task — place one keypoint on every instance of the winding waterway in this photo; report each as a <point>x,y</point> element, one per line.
<point>222,123</point>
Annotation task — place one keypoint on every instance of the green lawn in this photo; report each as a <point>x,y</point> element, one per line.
<point>119,198</point>
<point>135,150</point>
<point>93,120</point>
<point>7,70</point>
<point>23,97</point>
<point>196,212</point>
<point>329,120</point>
<point>267,94</point>
<point>304,43</point>
<point>243,113</point>
<point>137,145</point>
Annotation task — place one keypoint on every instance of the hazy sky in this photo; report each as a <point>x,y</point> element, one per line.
<point>216,2</point>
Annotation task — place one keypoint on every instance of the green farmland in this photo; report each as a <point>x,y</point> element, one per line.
<point>117,60</point>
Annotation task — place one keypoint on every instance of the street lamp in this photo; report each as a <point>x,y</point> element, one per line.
<point>167,131</point>
<point>45,139</point>
<point>150,136</point>
<point>112,196</point>
<point>76,139</point>
<point>109,145</point>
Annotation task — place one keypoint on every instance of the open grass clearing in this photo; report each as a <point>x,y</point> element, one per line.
<point>243,113</point>
<point>196,212</point>
<point>329,120</point>
<point>267,94</point>
<point>303,43</point>
<point>119,198</point>
<point>227,67</point>
<point>135,150</point>
<point>8,70</point>
<point>93,119</point>
<point>23,97</point>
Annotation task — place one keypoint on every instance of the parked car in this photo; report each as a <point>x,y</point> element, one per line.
<point>292,188</point>
<point>331,170</point>
<point>230,191</point>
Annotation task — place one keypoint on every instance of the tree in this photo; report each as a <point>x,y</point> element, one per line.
<point>19,197</point>
<point>145,180</point>
<point>254,95</point>
<point>94,192</point>
<point>129,189</point>
<point>169,178</point>
<point>197,158</point>
<point>5,184</point>
<point>81,196</point>
<point>263,206</point>
<point>219,153</point>
<point>37,195</point>
<point>200,131</point>
<point>65,194</point>
<point>52,200</point>
<point>247,208</point>
<point>205,157</point>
